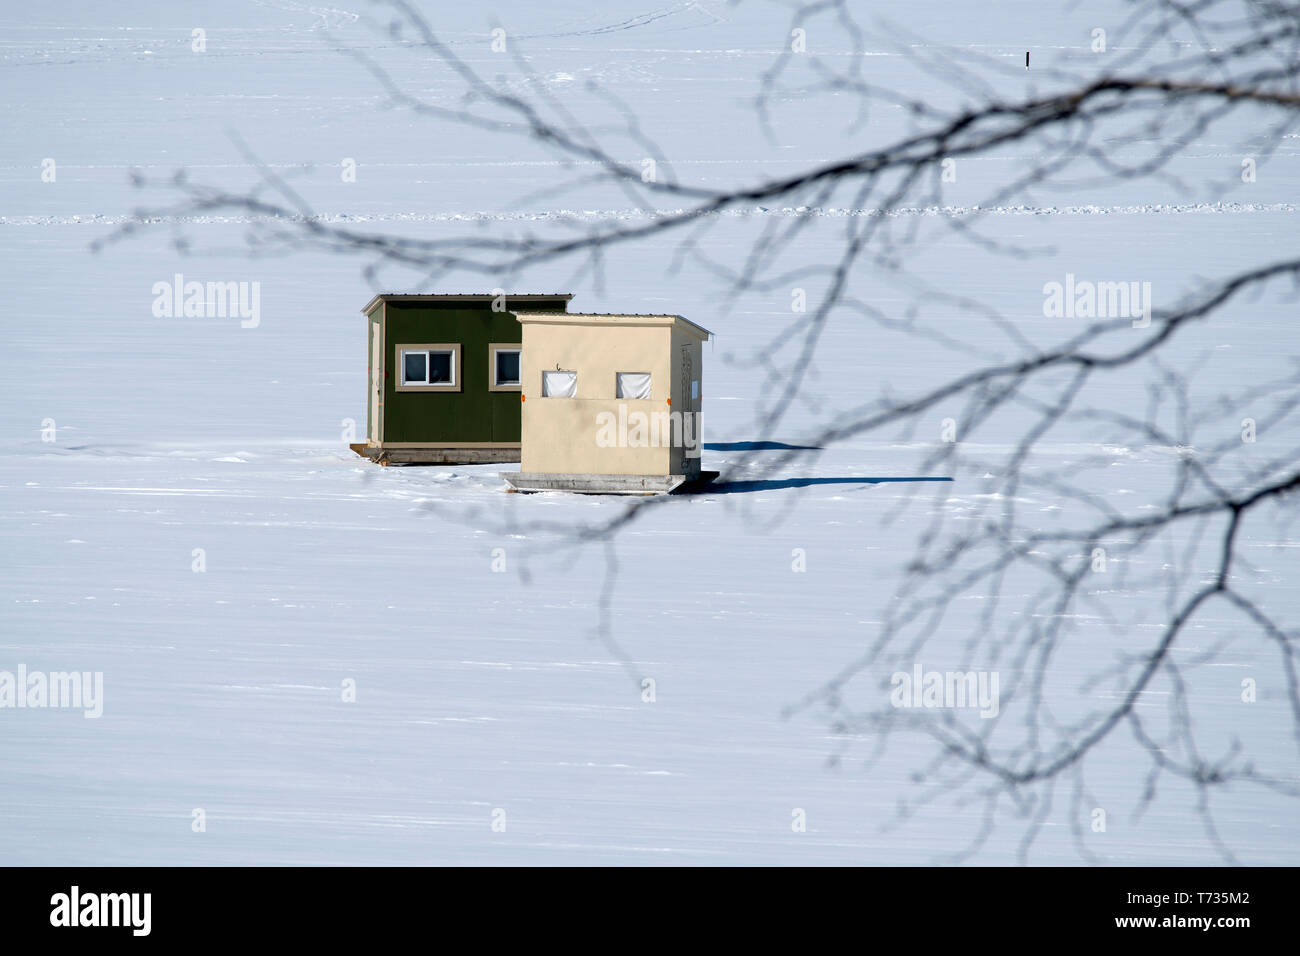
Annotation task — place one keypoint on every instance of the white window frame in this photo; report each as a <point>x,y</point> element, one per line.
<point>400,353</point>
<point>494,349</point>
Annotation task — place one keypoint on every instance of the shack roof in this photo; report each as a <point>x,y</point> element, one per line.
<point>610,318</point>
<point>464,297</point>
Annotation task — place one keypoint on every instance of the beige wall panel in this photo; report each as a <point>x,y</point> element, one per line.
<point>560,435</point>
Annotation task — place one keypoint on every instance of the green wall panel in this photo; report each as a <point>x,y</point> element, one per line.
<point>472,414</point>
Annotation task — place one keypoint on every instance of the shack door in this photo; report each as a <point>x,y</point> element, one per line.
<point>690,386</point>
<point>376,430</point>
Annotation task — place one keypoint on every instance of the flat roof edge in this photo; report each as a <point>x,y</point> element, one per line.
<point>574,318</point>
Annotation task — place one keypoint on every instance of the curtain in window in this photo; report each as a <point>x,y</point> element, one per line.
<point>633,384</point>
<point>560,384</point>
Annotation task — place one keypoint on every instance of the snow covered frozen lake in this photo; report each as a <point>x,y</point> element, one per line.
<point>478,689</point>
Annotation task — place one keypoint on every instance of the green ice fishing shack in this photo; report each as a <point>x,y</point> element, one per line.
<point>443,376</point>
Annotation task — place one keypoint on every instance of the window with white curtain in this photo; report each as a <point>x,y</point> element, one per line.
<point>633,384</point>
<point>559,384</point>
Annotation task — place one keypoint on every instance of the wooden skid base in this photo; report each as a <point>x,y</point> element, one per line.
<point>605,484</point>
<point>393,455</point>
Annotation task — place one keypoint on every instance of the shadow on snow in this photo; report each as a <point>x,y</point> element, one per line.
<point>776,484</point>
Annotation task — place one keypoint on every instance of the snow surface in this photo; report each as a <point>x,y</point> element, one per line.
<point>480,690</point>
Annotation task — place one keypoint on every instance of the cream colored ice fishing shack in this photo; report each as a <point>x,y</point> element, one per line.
<point>611,403</point>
